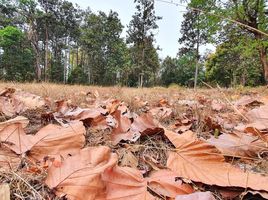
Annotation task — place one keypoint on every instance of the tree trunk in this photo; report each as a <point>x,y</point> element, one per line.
<point>46,55</point>
<point>77,56</point>
<point>264,62</point>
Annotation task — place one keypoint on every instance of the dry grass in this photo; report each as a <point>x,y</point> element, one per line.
<point>77,93</point>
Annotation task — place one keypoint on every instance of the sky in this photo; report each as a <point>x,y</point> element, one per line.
<point>168,32</point>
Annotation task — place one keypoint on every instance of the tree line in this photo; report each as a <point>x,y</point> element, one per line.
<point>57,41</point>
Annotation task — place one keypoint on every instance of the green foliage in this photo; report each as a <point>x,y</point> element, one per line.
<point>16,60</point>
<point>105,49</point>
<point>180,70</point>
<point>77,76</point>
<point>229,66</point>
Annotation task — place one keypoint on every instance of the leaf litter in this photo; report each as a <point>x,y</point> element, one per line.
<point>204,148</point>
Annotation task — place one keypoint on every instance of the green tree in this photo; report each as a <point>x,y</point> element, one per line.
<point>145,62</point>
<point>105,50</point>
<point>16,58</point>
<point>180,70</point>
<point>253,14</point>
<point>235,62</point>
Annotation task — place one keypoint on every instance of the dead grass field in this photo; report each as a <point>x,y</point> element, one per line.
<point>77,93</point>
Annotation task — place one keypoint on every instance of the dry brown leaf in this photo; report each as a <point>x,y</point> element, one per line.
<point>128,159</point>
<point>13,136</point>
<point>8,159</point>
<point>201,162</point>
<point>167,183</point>
<point>56,140</point>
<point>125,183</point>
<point>145,125</point>
<point>79,176</point>
<point>259,116</point>
<point>4,192</point>
<point>17,120</point>
<point>238,144</point>
<point>217,106</point>
<point>121,131</point>
<point>139,103</point>
<point>161,113</point>
<point>66,113</point>
<point>30,101</point>
<point>246,101</point>
<point>163,103</point>
<point>196,196</point>
<point>14,102</point>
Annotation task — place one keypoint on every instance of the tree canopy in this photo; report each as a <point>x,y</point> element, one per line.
<point>57,41</point>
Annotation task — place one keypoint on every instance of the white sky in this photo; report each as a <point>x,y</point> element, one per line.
<point>169,27</point>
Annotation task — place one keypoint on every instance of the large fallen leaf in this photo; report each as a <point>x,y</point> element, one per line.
<point>50,140</point>
<point>8,159</point>
<point>56,140</point>
<point>13,136</point>
<point>196,196</point>
<point>125,183</point>
<point>167,183</point>
<point>259,116</point>
<point>14,101</point>
<point>239,144</point>
<point>30,101</point>
<point>201,162</point>
<point>79,176</point>
<point>247,100</point>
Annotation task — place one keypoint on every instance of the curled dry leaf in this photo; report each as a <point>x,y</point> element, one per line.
<point>17,120</point>
<point>201,162</point>
<point>161,113</point>
<point>125,183</point>
<point>139,103</point>
<point>56,140</point>
<point>247,101</point>
<point>145,125</point>
<point>66,113</point>
<point>238,144</point>
<point>79,176</point>
<point>163,103</point>
<point>121,131</point>
<point>196,196</point>
<point>167,183</point>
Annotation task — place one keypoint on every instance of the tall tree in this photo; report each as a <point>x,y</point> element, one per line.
<point>196,29</point>
<point>104,48</point>
<point>141,37</point>
<point>16,59</point>
<point>253,13</point>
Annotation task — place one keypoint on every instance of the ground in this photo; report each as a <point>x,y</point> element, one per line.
<point>201,108</point>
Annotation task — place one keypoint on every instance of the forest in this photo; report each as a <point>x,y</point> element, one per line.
<point>57,41</point>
